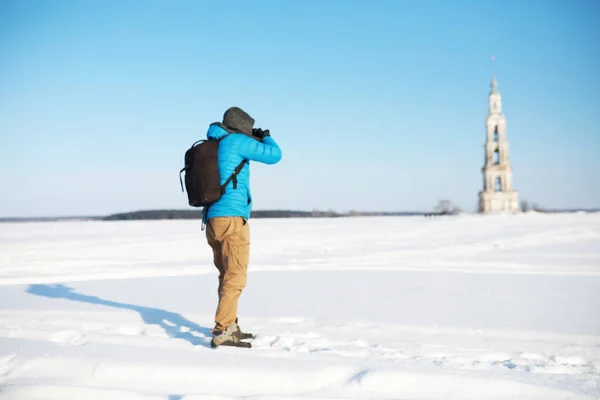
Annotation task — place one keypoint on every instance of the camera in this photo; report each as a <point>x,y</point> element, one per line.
<point>260,133</point>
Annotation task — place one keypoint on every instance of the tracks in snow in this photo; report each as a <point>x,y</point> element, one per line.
<point>458,349</point>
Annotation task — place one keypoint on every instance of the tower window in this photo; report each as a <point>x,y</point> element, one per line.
<point>496,157</point>
<point>498,185</point>
<point>496,134</point>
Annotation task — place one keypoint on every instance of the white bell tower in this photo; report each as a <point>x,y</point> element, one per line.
<point>498,194</point>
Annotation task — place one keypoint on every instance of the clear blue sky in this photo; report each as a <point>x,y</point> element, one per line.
<point>377,105</point>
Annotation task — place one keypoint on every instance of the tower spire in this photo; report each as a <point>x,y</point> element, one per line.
<point>494,82</point>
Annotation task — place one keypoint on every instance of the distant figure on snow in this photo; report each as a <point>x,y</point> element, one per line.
<point>227,229</point>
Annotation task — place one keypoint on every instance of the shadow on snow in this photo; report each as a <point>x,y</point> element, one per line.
<point>172,323</point>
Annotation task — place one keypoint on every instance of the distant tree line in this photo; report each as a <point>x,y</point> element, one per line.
<point>197,214</point>
<point>155,214</point>
<point>443,208</point>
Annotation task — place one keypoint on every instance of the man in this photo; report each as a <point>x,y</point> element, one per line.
<point>227,230</point>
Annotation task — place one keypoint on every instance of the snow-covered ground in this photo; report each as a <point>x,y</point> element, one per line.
<point>465,307</point>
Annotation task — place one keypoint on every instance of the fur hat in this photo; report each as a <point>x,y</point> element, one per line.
<point>238,120</point>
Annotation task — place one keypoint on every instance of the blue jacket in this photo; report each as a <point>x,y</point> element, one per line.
<point>232,150</point>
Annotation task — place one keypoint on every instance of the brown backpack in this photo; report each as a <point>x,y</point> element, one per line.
<point>202,179</point>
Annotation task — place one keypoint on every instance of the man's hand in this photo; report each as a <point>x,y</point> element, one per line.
<point>259,133</point>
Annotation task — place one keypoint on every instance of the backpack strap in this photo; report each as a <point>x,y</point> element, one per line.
<point>233,176</point>
<point>236,171</point>
<point>180,180</point>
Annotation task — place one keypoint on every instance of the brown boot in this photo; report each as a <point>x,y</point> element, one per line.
<point>228,337</point>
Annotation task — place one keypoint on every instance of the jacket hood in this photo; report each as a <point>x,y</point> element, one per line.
<point>216,131</point>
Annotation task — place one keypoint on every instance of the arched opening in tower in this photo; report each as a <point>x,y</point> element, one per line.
<point>498,185</point>
<point>496,157</point>
<point>496,134</point>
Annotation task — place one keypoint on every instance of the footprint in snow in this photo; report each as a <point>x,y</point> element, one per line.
<point>68,338</point>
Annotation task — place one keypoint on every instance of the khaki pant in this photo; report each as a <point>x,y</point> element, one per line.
<point>229,238</point>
